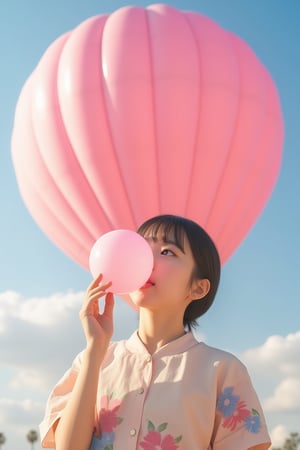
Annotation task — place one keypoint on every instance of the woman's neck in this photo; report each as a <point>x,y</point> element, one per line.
<point>155,332</point>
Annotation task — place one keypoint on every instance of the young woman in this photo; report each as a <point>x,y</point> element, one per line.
<point>161,388</point>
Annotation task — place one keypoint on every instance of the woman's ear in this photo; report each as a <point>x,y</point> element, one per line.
<point>200,288</point>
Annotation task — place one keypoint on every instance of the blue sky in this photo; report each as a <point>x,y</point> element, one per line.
<point>259,296</point>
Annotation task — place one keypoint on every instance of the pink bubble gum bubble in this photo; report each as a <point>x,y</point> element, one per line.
<point>123,257</point>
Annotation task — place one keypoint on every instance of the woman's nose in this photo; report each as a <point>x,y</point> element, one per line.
<point>155,255</point>
<point>155,251</point>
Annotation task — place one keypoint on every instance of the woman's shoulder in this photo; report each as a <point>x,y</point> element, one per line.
<point>217,352</point>
<point>220,359</point>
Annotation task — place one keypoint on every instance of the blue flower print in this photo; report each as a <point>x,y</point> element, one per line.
<point>104,443</point>
<point>227,402</point>
<point>235,411</point>
<point>252,423</point>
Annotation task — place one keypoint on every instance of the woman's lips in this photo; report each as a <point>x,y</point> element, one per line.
<point>148,284</point>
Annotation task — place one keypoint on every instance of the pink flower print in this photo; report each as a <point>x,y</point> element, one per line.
<point>238,415</point>
<point>155,440</point>
<point>108,414</point>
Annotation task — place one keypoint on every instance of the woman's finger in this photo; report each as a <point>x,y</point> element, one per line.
<point>91,305</point>
<point>95,281</point>
<point>109,305</point>
<point>96,285</point>
<point>99,288</point>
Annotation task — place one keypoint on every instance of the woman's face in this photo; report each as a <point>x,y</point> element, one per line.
<point>170,282</point>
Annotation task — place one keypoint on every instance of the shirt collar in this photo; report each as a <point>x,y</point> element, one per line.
<point>179,345</point>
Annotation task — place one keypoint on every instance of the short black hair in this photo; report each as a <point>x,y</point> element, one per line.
<point>205,254</point>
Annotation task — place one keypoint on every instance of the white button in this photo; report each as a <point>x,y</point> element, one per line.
<point>141,390</point>
<point>132,432</point>
<point>148,359</point>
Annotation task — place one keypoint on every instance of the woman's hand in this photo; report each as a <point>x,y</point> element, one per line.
<point>75,427</point>
<point>98,327</point>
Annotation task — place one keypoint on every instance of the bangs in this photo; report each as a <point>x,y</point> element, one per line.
<point>169,228</point>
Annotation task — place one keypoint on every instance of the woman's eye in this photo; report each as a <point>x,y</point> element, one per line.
<point>167,251</point>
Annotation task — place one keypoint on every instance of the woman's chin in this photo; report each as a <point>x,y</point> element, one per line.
<point>139,298</point>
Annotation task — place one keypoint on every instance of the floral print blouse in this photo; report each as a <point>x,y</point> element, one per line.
<point>186,396</point>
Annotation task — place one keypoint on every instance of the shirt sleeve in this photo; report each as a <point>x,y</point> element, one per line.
<point>240,422</point>
<point>57,401</point>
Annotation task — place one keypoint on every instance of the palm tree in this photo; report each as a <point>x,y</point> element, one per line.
<point>32,437</point>
<point>2,439</point>
<point>291,443</point>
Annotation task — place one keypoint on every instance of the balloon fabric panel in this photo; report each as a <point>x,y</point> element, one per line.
<point>54,143</point>
<point>85,116</point>
<point>142,112</point>
<point>46,204</point>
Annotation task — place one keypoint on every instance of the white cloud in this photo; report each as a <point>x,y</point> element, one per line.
<point>279,353</point>
<point>27,379</point>
<point>41,336</point>
<point>279,435</point>
<point>286,396</point>
<point>23,412</point>
<point>41,311</point>
<point>275,370</point>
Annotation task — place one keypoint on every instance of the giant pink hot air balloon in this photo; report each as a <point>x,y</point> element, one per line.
<point>141,112</point>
